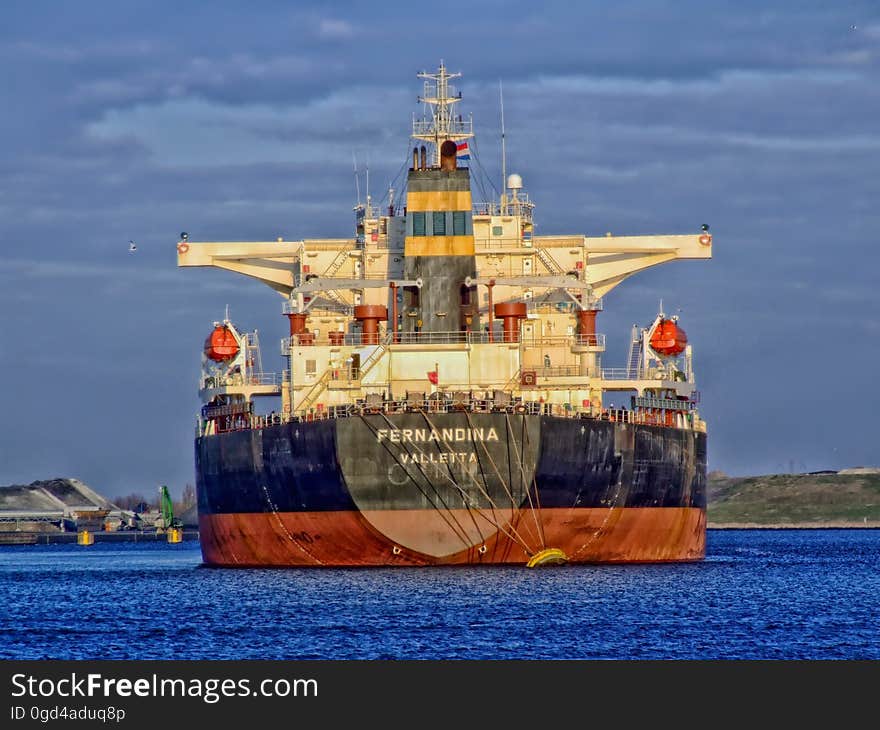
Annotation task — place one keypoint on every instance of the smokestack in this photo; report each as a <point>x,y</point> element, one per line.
<point>448,155</point>
<point>415,158</point>
<point>424,152</point>
<point>439,249</point>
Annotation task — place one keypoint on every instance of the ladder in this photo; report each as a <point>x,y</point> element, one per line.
<point>374,357</point>
<point>635,353</point>
<point>319,387</point>
<point>514,381</point>
<point>321,384</point>
<point>336,264</point>
<point>253,360</point>
<point>551,264</point>
<point>329,273</point>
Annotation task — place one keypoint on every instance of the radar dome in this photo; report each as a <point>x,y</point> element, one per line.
<point>514,182</point>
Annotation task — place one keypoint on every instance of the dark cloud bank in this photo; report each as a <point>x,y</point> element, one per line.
<point>137,123</point>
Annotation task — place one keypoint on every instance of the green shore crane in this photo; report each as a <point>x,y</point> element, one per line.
<point>166,507</point>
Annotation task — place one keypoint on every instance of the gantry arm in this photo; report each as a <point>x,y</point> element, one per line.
<point>271,262</point>
<point>608,260</point>
<point>611,259</point>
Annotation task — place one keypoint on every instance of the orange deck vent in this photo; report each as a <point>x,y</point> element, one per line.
<point>221,344</point>
<point>668,339</point>
<point>511,313</point>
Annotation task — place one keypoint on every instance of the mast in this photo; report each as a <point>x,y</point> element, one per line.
<point>369,202</point>
<point>357,182</point>
<point>503,152</point>
<point>438,122</point>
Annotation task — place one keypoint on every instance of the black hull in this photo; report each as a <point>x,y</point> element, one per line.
<point>419,489</point>
<point>349,463</point>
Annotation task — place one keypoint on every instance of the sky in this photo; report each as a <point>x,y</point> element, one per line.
<point>243,121</point>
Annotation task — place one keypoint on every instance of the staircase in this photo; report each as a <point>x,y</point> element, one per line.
<point>551,264</point>
<point>635,354</point>
<point>321,384</point>
<point>336,264</point>
<point>319,387</point>
<point>374,357</point>
<point>329,273</point>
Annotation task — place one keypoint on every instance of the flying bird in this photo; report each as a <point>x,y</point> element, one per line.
<point>131,247</point>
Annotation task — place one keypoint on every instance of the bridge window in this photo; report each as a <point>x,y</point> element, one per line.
<point>418,221</point>
<point>439,224</point>
<point>459,223</point>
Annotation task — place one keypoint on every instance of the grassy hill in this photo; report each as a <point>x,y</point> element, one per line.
<point>788,500</point>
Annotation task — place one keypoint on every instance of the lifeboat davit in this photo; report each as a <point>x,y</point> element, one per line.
<point>668,339</point>
<point>221,344</point>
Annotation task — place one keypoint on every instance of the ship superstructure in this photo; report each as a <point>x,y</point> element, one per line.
<point>447,335</point>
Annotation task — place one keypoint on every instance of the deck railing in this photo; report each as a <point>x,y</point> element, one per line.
<point>357,339</point>
<point>237,379</point>
<point>682,417</point>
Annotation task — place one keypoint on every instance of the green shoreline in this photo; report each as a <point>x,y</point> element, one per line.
<point>794,501</point>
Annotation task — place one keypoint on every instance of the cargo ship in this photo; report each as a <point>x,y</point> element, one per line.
<point>443,399</point>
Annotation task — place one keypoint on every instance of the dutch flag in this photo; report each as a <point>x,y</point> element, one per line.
<point>462,152</point>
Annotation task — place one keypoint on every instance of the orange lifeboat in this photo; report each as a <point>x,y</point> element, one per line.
<point>221,344</point>
<point>668,339</point>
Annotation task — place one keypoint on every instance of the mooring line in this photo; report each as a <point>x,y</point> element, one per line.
<point>451,513</point>
<point>284,527</point>
<point>611,508</point>
<point>507,488</point>
<point>516,536</point>
<point>523,478</point>
<point>501,528</point>
<point>456,528</point>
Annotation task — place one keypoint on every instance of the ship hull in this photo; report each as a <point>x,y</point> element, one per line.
<point>412,489</point>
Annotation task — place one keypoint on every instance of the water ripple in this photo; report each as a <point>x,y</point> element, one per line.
<point>760,594</point>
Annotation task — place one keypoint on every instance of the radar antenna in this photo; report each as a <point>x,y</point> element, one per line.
<point>438,122</point>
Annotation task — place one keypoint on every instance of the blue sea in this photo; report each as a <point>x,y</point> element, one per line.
<point>760,594</point>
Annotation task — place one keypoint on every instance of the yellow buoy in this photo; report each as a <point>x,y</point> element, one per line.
<point>549,556</point>
<point>84,537</point>
<point>175,534</point>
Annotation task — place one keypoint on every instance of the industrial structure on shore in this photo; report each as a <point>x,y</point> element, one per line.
<point>66,509</point>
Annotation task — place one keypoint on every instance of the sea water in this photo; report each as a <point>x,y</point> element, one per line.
<point>759,594</point>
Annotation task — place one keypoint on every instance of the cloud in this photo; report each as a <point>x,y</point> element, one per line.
<point>58,269</point>
<point>241,125</point>
<point>332,29</point>
<point>870,31</point>
<point>197,132</point>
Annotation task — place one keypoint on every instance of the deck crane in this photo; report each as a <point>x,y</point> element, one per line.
<point>166,508</point>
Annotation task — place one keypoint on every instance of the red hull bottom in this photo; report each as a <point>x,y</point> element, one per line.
<point>337,539</point>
